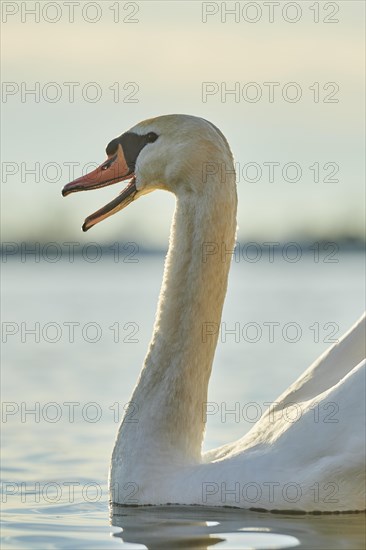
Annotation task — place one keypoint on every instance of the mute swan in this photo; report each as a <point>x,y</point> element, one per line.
<point>279,464</point>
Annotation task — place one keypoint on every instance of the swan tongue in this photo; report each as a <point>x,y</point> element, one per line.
<point>114,169</point>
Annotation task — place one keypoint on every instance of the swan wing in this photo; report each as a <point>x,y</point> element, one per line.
<point>326,371</point>
<point>331,381</point>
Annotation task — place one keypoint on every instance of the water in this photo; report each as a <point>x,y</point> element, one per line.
<point>64,387</point>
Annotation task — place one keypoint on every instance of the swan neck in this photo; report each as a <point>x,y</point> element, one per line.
<point>178,364</point>
<point>171,394</point>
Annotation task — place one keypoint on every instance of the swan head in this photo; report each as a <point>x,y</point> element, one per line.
<point>177,153</point>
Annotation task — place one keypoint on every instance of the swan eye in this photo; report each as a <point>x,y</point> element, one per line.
<point>151,137</point>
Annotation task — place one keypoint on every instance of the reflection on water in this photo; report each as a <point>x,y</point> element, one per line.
<point>69,454</point>
<point>82,526</point>
<point>201,528</point>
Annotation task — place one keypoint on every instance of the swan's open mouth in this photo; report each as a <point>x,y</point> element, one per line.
<point>114,169</point>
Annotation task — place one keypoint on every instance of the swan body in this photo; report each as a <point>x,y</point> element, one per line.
<point>280,464</point>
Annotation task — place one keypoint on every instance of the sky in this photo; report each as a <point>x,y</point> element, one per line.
<point>284,81</point>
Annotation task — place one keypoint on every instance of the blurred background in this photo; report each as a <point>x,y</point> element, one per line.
<point>284,81</point>
<point>115,65</point>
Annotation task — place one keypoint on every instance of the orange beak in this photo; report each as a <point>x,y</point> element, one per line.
<point>111,171</point>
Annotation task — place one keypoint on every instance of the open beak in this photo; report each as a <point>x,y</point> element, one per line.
<point>114,169</point>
